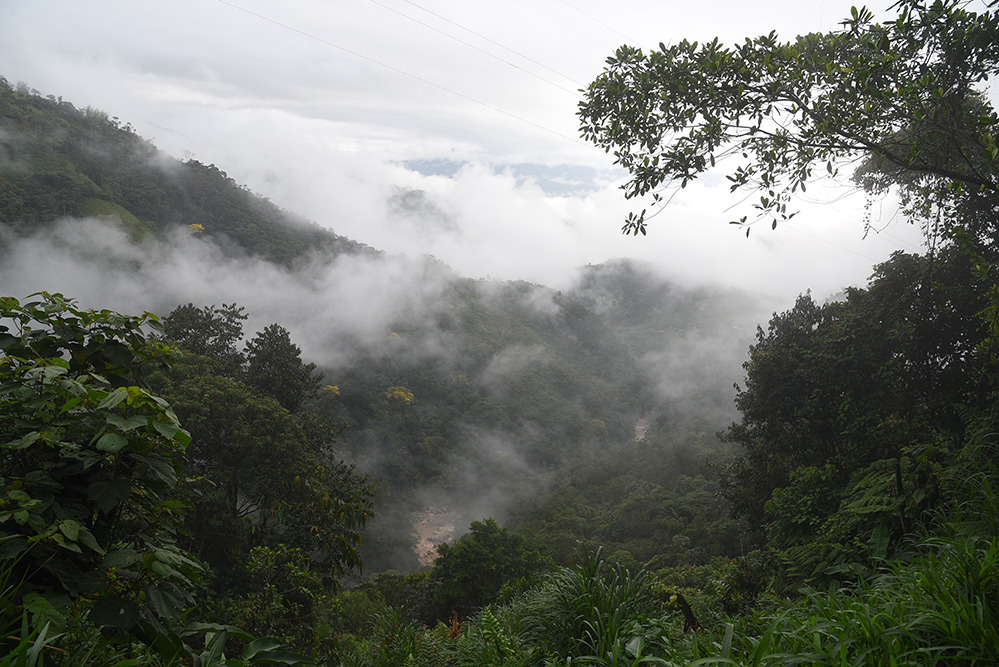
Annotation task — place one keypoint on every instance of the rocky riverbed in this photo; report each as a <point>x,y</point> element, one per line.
<point>434,526</point>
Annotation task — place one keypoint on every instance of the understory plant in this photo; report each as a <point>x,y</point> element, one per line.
<point>939,608</point>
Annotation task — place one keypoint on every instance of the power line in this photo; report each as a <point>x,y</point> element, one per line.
<point>492,41</point>
<point>403,72</point>
<point>595,19</point>
<point>472,46</point>
<point>828,242</point>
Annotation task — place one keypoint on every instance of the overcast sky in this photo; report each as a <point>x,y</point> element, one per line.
<point>335,109</point>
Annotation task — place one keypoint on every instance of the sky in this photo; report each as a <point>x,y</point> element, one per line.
<point>441,127</point>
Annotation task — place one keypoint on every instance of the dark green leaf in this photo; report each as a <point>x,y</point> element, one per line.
<point>114,398</point>
<point>259,646</point>
<point>166,428</point>
<point>112,442</point>
<point>109,494</point>
<point>114,611</point>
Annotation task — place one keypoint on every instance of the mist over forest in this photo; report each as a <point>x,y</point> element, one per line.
<point>230,435</point>
<point>512,383</point>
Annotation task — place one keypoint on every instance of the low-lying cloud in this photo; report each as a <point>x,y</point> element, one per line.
<point>333,309</point>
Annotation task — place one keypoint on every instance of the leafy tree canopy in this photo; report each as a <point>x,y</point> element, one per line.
<point>893,371</point>
<point>901,95</point>
<point>210,332</point>
<point>473,572</point>
<point>274,366</point>
<point>89,467</point>
<point>267,470</point>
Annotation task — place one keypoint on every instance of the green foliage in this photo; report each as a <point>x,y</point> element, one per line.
<point>586,609</point>
<point>90,464</point>
<point>211,332</point>
<point>879,376</point>
<point>274,367</point>
<point>798,509</point>
<point>471,573</point>
<point>489,639</point>
<point>396,641</point>
<point>933,610</point>
<point>266,476</point>
<point>251,447</point>
<point>57,160</point>
<point>904,93</point>
<point>285,599</point>
<point>882,503</point>
<point>973,479</point>
<point>355,610</point>
<point>406,593</point>
<point>648,503</point>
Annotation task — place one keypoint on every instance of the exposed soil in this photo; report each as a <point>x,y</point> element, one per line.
<point>434,526</point>
<point>640,428</point>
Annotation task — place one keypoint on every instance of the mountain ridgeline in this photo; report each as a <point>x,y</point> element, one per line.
<point>475,395</point>
<point>58,161</point>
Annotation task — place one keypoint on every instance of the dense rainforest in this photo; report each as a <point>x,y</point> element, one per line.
<point>179,489</point>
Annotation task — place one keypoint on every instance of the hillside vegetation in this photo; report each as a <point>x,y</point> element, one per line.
<point>477,405</point>
<point>179,490</point>
<point>57,160</point>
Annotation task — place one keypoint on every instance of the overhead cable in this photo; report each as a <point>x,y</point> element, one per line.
<point>472,46</point>
<point>403,72</point>
<point>492,41</point>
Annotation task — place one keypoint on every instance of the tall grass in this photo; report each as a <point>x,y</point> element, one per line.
<point>939,608</point>
<point>584,610</point>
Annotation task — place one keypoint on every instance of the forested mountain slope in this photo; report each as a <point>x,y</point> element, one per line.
<point>57,160</point>
<point>466,394</point>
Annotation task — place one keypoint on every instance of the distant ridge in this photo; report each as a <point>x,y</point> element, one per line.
<point>58,161</point>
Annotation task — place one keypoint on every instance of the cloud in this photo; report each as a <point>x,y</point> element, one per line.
<point>421,210</point>
<point>334,310</point>
<point>494,473</point>
<point>510,362</point>
<point>313,123</point>
<point>493,222</point>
